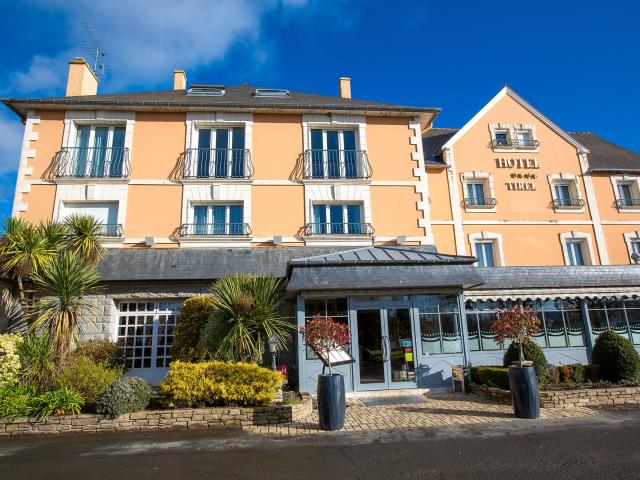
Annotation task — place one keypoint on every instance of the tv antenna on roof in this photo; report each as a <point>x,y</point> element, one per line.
<point>97,53</point>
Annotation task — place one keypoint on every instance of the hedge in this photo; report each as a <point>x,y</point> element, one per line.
<point>497,377</point>
<point>194,314</point>
<point>220,383</point>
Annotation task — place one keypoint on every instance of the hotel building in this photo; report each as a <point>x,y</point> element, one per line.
<point>411,234</point>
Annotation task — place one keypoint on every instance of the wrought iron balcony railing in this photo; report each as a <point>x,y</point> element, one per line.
<point>111,230</point>
<point>336,164</point>
<point>478,202</point>
<point>567,203</point>
<point>514,143</point>
<point>217,163</point>
<point>92,162</point>
<point>215,229</point>
<point>623,203</point>
<point>361,229</point>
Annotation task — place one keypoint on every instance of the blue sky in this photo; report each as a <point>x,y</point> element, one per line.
<point>576,61</point>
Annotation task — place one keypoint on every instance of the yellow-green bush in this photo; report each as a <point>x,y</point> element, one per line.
<point>193,315</point>
<point>9,363</point>
<point>220,383</point>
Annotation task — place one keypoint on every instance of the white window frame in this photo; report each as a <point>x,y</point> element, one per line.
<point>587,246</point>
<point>344,212</point>
<point>486,237</point>
<point>210,205</point>
<point>485,178</point>
<point>629,239</point>
<point>571,180</point>
<point>634,181</point>
<point>341,160</point>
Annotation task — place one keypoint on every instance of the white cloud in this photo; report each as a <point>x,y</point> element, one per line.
<point>147,39</point>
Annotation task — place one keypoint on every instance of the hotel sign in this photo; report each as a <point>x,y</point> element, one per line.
<point>519,164</point>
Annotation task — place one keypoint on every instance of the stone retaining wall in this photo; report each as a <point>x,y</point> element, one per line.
<point>588,397</point>
<point>175,419</point>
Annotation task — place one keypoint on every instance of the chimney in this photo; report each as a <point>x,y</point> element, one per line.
<point>82,80</point>
<point>179,80</point>
<point>345,87</point>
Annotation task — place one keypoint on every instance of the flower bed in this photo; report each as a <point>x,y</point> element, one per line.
<point>174,419</point>
<point>566,398</point>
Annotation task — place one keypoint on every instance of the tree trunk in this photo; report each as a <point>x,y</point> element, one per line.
<point>20,290</point>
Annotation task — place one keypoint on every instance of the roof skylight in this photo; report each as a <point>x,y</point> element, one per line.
<point>271,92</point>
<point>206,90</point>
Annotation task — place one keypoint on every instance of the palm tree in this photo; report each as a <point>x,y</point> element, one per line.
<point>65,281</point>
<point>55,233</point>
<point>245,315</point>
<point>84,237</point>
<point>24,251</point>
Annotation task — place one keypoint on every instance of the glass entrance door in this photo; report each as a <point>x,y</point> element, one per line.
<point>385,348</point>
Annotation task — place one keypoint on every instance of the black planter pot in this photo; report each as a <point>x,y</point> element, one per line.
<point>331,401</point>
<point>524,391</point>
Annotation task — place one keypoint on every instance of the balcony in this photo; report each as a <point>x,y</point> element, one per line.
<point>219,163</point>
<point>627,203</point>
<point>514,143</point>
<point>113,230</point>
<point>91,162</point>
<point>476,202</point>
<point>338,229</point>
<point>336,165</point>
<point>214,230</point>
<point>568,203</point>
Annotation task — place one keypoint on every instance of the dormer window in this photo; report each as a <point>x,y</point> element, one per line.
<point>206,91</point>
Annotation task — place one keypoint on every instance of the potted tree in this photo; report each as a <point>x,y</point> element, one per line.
<point>325,335</point>
<point>519,324</point>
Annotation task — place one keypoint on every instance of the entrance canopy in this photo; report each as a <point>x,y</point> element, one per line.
<point>378,267</point>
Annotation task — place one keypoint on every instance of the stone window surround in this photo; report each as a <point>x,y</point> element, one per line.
<point>570,179</point>
<point>635,187</point>
<point>628,239</point>
<point>93,193</point>
<point>334,122</point>
<point>75,118</point>
<point>487,179</point>
<point>212,193</point>
<point>586,241</point>
<point>495,238</point>
<point>512,129</point>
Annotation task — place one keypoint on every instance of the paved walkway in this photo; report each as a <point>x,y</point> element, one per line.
<point>439,410</point>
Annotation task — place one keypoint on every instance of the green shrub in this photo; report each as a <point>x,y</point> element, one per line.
<point>531,352</point>
<point>89,378</point>
<point>57,402</point>
<point>617,357</point>
<point>100,351</point>
<point>10,362</point>
<point>16,400</point>
<point>220,383</point>
<point>497,377</point>
<point>573,373</point>
<point>193,316</point>
<point>36,360</point>
<point>126,394</point>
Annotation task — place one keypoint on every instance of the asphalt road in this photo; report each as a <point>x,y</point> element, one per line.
<point>606,446</point>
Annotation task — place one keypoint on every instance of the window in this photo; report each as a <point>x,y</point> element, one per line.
<point>475,193</point>
<point>484,254</point>
<point>625,194</point>
<point>563,195</point>
<point>336,308</point>
<point>561,320</point>
<point>524,138</point>
<point>334,154</point>
<point>635,250</point>
<point>105,213</point>
<point>218,219</point>
<point>221,153</point>
<point>575,252</point>
<point>439,324</point>
<point>99,152</point>
<point>338,219</point>
<point>620,315</point>
<point>478,191</point>
<point>502,138</point>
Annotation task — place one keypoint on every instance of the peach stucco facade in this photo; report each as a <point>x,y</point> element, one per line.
<point>400,201</point>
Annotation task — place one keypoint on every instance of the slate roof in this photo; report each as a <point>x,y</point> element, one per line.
<point>432,142</point>
<point>606,156</point>
<point>516,278</point>
<point>235,97</point>
<point>382,255</point>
